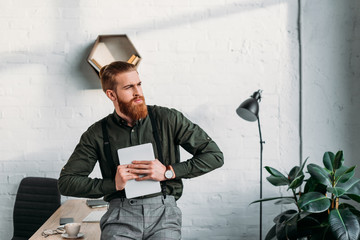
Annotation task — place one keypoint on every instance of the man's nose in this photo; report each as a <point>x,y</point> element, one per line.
<point>136,91</point>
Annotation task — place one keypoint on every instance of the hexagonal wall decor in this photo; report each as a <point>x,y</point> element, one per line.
<point>110,48</point>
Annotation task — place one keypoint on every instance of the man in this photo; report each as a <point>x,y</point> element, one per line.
<point>132,123</point>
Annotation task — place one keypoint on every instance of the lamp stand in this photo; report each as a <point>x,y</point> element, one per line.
<point>261,153</point>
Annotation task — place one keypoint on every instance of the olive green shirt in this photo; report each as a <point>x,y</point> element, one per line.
<point>174,130</point>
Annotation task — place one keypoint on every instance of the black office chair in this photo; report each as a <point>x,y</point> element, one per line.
<point>36,200</point>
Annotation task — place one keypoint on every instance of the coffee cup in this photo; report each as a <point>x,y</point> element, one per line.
<point>72,229</point>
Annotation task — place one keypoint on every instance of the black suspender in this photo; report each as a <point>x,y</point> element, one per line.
<point>156,135</point>
<point>107,150</point>
<point>158,146</point>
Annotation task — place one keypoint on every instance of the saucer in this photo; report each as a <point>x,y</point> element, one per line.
<point>65,235</point>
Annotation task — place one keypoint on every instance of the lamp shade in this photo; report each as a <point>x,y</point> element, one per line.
<point>249,109</point>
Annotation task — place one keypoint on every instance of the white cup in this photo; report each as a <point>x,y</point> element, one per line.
<point>72,229</point>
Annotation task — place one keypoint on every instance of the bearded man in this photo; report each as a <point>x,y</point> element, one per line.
<point>154,216</point>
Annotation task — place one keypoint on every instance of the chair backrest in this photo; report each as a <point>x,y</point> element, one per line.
<point>36,200</point>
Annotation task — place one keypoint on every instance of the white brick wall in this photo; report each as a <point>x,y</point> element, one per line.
<point>201,57</point>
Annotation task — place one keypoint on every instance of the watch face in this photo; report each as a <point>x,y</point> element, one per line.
<point>168,174</point>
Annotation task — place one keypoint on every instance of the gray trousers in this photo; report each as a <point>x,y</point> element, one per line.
<point>149,218</point>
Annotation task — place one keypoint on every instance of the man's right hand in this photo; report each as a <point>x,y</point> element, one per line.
<point>122,176</point>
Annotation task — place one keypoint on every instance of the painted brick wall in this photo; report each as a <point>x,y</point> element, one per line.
<point>201,57</point>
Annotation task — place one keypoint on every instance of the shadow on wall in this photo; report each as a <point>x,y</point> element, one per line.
<point>332,70</point>
<point>87,77</point>
<point>354,87</point>
<point>345,101</point>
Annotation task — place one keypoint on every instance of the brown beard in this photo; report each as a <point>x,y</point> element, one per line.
<point>133,111</point>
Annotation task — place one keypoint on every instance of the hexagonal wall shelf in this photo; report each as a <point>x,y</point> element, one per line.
<point>110,48</point>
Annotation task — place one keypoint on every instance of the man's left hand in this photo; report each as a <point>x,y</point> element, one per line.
<point>152,170</point>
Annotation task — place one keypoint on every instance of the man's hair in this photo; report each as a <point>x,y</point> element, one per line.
<point>108,73</point>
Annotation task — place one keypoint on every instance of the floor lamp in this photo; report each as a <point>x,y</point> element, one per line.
<point>249,110</point>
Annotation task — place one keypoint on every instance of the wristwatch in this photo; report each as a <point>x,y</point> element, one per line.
<point>169,174</point>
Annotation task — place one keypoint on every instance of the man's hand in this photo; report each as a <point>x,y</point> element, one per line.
<point>152,170</point>
<point>123,174</point>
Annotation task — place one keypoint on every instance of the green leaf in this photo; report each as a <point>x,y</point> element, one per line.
<point>274,172</point>
<point>271,235</point>
<point>291,227</point>
<point>297,171</point>
<point>313,186</point>
<point>286,224</point>
<point>341,170</point>
<point>353,190</point>
<point>269,199</point>
<point>344,224</point>
<point>303,165</point>
<point>288,212</point>
<point>337,191</point>
<point>351,208</point>
<point>354,197</point>
<point>344,176</point>
<point>297,182</point>
<point>314,202</point>
<point>339,160</point>
<point>293,173</point>
<point>278,181</point>
<point>319,174</point>
<point>328,160</point>
<point>289,200</point>
<point>304,215</point>
<point>350,185</point>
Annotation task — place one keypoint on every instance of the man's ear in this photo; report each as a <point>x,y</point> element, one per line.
<point>111,95</point>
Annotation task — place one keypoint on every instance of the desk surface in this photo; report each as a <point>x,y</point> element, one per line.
<point>77,209</point>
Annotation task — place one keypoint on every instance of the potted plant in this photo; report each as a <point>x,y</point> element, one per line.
<point>323,208</point>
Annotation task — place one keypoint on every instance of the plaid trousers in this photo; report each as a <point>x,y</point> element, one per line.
<point>153,218</point>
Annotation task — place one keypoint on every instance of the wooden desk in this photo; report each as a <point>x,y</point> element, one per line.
<point>77,209</point>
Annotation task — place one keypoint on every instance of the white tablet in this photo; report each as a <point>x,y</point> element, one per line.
<point>143,152</point>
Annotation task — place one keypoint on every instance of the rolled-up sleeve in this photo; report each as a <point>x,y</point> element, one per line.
<point>74,177</point>
<point>206,154</point>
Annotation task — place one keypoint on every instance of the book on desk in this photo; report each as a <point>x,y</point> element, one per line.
<point>96,203</point>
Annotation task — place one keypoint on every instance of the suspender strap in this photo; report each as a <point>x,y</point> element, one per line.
<point>156,135</point>
<point>107,151</point>
<point>158,146</point>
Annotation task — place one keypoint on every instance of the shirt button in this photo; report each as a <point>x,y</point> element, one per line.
<point>132,130</point>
